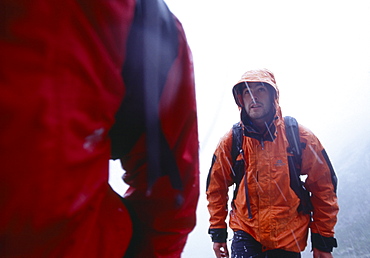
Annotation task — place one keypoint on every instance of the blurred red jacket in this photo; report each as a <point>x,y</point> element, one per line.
<point>61,85</point>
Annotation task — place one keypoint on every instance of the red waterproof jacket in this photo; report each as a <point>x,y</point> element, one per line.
<point>155,135</point>
<point>60,88</point>
<point>274,220</point>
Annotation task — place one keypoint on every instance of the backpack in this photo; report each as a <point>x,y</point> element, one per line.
<point>294,162</point>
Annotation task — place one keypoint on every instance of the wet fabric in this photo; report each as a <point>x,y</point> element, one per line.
<point>155,135</point>
<point>61,84</point>
<point>245,246</point>
<point>275,221</point>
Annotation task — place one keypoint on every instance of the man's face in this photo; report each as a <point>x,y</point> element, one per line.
<point>258,102</point>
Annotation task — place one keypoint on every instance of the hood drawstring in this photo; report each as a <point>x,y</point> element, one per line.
<point>262,144</point>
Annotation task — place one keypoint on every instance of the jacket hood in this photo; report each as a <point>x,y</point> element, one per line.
<point>260,75</point>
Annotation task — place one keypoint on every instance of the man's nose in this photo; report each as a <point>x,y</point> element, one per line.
<point>254,96</point>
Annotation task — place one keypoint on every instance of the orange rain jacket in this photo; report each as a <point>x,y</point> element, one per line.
<point>275,221</point>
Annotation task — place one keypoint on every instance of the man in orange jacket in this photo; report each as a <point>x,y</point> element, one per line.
<point>264,216</point>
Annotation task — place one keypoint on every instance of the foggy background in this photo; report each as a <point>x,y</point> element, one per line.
<point>319,52</point>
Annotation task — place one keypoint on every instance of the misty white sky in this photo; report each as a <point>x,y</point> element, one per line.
<point>319,51</point>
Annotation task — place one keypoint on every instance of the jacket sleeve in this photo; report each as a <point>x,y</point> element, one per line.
<point>321,182</point>
<point>218,181</point>
<point>155,134</point>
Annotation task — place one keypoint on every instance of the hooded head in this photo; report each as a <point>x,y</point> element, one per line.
<point>260,75</point>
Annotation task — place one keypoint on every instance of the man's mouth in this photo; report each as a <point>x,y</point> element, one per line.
<point>255,105</point>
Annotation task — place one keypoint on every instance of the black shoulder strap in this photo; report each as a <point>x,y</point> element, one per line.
<point>292,134</point>
<point>236,142</point>
<point>236,149</point>
<point>295,161</point>
<point>238,167</point>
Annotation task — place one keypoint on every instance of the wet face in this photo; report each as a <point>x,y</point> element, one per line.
<point>258,102</point>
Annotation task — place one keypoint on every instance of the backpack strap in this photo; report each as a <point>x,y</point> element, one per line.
<point>292,134</point>
<point>236,149</point>
<point>295,161</point>
<point>237,136</point>
<point>238,167</point>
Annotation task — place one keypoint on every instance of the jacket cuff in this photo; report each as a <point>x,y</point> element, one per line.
<point>218,235</point>
<point>322,243</point>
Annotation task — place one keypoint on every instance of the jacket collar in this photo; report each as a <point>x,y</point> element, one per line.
<point>251,131</point>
